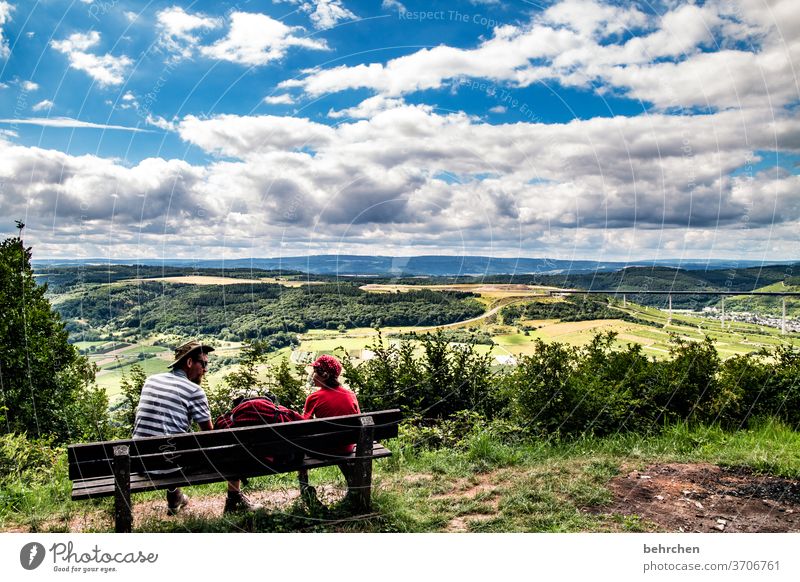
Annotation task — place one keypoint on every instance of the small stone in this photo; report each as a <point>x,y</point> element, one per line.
<point>680,529</point>
<point>720,527</point>
<point>722,522</point>
<point>645,477</point>
<point>790,511</point>
<point>698,505</point>
<point>660,497</point>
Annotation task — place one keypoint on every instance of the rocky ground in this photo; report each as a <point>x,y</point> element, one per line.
<point>707,498</point>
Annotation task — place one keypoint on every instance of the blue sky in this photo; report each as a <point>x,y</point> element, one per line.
<point>569,129</point>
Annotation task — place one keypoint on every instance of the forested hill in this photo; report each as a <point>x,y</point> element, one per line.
<point>419,266</point>
<point>62,278</point>
<point>661,279</point>
<point>240,311</point>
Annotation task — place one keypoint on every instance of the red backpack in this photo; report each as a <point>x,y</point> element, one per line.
<point>254,412</point>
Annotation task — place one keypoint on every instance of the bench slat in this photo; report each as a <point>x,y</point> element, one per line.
<point>386,427</point>
<point>240,452</point>
<point>104,486</point>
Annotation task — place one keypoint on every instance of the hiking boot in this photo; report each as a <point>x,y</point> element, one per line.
<point>175,501</point>
<point>236,501</point>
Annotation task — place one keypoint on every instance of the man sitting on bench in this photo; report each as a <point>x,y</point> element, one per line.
<point>331,399</point>
<point>170,402</point>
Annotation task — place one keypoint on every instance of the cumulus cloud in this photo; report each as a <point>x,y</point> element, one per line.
<point>237,136</point>
<point>408,175</point>
<point>107,70</point>
<point>367,108</point>
<point>709,56</point>
<point>62,190</point>
<point>257,39</point>
<point>323,13</point>
<point>651,172</point>
<point>178,30</point>
<point>283,99</point>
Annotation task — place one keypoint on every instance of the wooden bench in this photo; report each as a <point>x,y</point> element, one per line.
<point>122,467</point>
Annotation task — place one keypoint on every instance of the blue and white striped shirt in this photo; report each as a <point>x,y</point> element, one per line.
<point>168,405</point>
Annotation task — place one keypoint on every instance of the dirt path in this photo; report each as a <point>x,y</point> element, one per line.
<point>707,498</point>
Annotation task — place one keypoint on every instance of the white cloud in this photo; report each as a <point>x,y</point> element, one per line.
<point>237,136</point>
<point>408,177</point>
<point>177,30</point>
<point>284,99</point>
<point>393,5</point>
<point>368,108</point>
<point>68,122</point>
<point>128,101</point>
<point>323,13</point>
<point>29,86</point>
<point>161,123</point>
<point>107,70</point>
<point>498,109</point>
<point>42,105</point>
<point>597,174</point>
<point>257,39</point>
<point>5,16</point>
<point>710,55</point>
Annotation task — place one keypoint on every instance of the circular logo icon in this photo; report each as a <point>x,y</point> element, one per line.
<point>32,555</point>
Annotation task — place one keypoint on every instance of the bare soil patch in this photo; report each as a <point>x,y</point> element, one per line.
<point>702,497</point>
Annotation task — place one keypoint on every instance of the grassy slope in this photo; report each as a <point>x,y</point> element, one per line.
<point>482,486</point>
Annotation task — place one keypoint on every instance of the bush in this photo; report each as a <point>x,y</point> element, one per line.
<point>445,380</point>
<point>30,460</point>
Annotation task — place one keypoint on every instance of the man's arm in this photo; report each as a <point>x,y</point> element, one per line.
<point>205,425</point>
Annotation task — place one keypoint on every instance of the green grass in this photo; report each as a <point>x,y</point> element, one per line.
<point>484,486</point>
<point>110,380</point>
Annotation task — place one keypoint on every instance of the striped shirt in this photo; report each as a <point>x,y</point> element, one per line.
<point>168,405</point>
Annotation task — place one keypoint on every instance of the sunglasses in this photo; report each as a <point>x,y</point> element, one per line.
<point>203,363</point>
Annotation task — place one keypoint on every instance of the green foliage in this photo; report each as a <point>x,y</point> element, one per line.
<point>254,377</point>
<point>761,384</point>
<point>689,383</point>
<point>581,308</point>
<point>123,414</point>
<point>288,388</point>
<point>26,459</point>
<point>446,379</point>
<point>45,382</point>
<point>454,336</point>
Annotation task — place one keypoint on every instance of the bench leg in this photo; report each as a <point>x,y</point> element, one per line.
<point>362,467</point>
<point>123,517</point>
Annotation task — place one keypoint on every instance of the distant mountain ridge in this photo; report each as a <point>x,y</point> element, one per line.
<point>419,266</point>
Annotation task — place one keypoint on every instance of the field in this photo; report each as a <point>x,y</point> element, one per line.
<point>652,329</point>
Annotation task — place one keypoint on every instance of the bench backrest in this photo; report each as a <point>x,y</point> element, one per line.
<point>229,448</point>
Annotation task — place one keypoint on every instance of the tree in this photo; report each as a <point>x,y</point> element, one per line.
<point>43,379</point>
<point>288,388</point>
<point>125,411</point>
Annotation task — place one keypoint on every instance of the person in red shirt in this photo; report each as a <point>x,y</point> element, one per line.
<point>330,399</point>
